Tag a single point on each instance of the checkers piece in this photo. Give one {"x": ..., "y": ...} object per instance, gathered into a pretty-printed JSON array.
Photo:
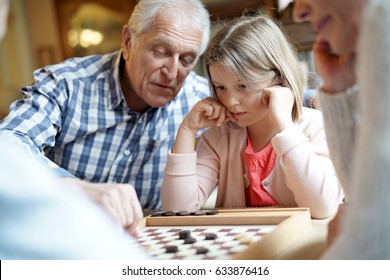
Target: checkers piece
[
  {"x": 201, "y": 250},
  {"x": 184, "y": 234},
  {"x": 189, "y": 240},
  {"x": 169, "y": 213},
  {"x": 157, "y": 214},
  {"x": 212, "y": 212},
  {"x": 198, "y": 213},
  {"x": 210, "y": 236},
  {"x": 171, "y": 249},
  {"x": 183, "y": 213}
]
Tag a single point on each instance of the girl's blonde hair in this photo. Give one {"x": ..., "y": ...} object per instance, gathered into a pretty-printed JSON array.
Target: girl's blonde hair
[{"x": 256, "y": 49}]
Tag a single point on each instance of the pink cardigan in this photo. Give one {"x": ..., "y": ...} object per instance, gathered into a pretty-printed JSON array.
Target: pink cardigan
[{"x": 303, "y": 175}]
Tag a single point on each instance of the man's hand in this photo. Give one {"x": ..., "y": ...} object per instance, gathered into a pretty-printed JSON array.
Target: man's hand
[{"x": 120, "y": 200}]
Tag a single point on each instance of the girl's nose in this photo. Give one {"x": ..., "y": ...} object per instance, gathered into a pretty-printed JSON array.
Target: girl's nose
[{"x": 232, "y": 100}]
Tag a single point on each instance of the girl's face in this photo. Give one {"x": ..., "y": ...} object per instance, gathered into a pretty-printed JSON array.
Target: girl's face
[
  {"x": 245, "y": 104},
  {"x": 336, "y": 21}
]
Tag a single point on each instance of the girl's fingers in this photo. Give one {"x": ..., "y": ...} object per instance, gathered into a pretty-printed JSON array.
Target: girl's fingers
[
  {"x": 221, "y": 117},
  {"x": 216, "y": 111},
  {"x": 207, "y": 109}
]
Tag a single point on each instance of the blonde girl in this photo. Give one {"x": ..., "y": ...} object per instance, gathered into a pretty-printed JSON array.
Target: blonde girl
[{"x": 261, "y": 147}]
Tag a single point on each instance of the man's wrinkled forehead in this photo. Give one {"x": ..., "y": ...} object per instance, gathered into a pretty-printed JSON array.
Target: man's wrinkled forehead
[{"x": 171, "y": 32}]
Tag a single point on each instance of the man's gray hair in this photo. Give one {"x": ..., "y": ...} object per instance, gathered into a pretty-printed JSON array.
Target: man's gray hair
[{"x": 143, "y": 16}]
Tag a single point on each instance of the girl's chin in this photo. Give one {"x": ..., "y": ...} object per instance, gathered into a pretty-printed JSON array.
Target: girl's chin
[{"x": 239, "y": 123}]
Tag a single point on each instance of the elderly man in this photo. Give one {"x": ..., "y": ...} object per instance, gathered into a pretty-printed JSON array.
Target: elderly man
[{"x": 106, "y": 122}]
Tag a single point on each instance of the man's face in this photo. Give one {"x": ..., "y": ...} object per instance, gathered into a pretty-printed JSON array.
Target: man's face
[
  {"x": 336, "y": 21},
  {"x": 159, "y": 61}
]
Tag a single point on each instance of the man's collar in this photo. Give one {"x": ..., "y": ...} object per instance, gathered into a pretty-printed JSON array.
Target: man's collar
[{"x": 115, "y": 91}]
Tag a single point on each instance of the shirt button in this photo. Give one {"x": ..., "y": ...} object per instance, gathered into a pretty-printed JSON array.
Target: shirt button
[{"x": 127, "y": 152}]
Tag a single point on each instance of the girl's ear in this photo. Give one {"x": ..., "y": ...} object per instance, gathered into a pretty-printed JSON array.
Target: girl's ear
[
  {"x": 284, "y": 82},
  {"x": 278, "y": 80}
]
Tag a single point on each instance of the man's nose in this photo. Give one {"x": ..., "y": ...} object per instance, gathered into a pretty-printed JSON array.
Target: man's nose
[
  {"x": 171, "y": 68},
  {"x": 301, "y": 11}
]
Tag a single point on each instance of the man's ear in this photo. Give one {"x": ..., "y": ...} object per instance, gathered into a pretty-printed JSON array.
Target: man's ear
[{"x": 126, "y": 41}]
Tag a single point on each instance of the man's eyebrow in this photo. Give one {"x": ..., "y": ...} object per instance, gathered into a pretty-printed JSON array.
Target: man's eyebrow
[
  {"x": 171, "y": 45},
  {"x": 160, "y": 40}
]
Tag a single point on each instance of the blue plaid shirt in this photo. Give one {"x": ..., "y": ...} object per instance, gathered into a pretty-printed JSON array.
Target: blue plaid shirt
[{"x": 75, "y": 116}]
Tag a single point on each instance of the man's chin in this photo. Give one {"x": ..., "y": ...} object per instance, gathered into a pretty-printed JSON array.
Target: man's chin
[
  {"x": 337, "y": 49},
  {"x": 322, "y": 45},
  {"x": 160, "y": 101}
]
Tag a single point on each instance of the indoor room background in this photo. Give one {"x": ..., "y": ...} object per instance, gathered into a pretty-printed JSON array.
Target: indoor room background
[{"x": 43, "y": 32}]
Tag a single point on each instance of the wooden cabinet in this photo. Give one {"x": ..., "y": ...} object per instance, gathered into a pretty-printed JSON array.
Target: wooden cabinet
[
  {"x": 91, "y": 26},
  {"x": 301, "y": 34},
  {"x": 103, "y": 20}
]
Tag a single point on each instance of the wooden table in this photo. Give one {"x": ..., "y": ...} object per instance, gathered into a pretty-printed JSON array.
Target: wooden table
[{"x": 310, "y": 245}]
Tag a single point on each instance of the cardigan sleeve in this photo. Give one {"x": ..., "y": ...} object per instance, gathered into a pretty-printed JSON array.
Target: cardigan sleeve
[{"x": 309, "y": 172}]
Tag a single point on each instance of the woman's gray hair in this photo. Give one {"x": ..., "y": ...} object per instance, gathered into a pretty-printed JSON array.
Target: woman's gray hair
[
  {"x": 144, "y": 14},
  {"x": 255, "y": 48}
]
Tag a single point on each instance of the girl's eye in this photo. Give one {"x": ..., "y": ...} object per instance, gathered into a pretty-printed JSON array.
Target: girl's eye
[
  {"x": 242, "y": 86},
  {"x": 219, "y": 88}
]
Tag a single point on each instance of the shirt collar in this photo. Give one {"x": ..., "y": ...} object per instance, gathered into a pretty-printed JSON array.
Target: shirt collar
[{"x": 115, "y": 91}]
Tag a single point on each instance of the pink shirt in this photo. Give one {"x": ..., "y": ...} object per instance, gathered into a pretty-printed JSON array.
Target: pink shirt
[
  {"x": 259, "y": 167},
  {"x": 303, "y": 174}
]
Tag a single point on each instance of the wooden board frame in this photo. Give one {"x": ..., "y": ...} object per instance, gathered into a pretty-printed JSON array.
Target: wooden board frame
[{"x": 290, "y": 223}]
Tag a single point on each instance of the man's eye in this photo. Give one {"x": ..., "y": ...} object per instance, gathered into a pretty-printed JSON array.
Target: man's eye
[
  {"x": 160, "y": 52},
  {"x": 187, "y": 61}
]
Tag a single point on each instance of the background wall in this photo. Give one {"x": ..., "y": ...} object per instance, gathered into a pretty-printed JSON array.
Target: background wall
[
  {"x": 35, "y": 38},
  {"x": 16, "y": 62}
]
